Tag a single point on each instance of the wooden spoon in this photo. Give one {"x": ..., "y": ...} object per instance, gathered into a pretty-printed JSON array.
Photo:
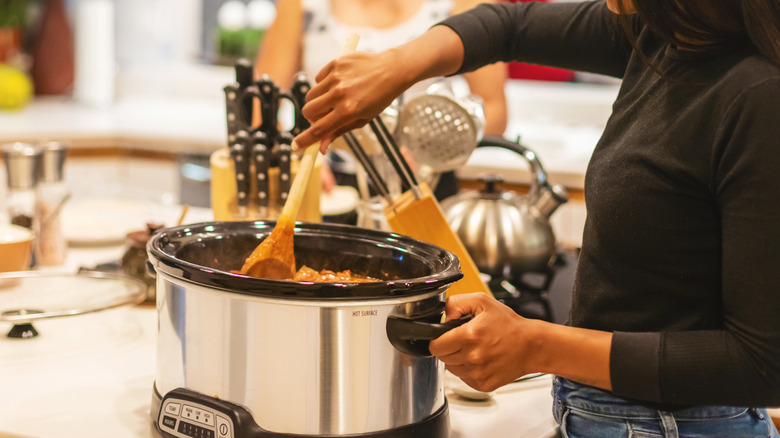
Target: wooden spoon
[{"x": 274, "y": 258}]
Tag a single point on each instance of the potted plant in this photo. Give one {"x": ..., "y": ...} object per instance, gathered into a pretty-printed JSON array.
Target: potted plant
[{"x": 13, "y": 17}]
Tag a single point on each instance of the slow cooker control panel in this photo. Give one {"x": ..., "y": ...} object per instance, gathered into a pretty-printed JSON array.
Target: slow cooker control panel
[{"x": 188, "y": 414}]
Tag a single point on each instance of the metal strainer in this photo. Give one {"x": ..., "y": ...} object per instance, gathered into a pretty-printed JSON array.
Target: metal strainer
[{"x": 439, "y": 130}]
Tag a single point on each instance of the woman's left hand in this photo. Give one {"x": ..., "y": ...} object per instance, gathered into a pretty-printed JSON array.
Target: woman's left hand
[{"x": 489, "y": 351}]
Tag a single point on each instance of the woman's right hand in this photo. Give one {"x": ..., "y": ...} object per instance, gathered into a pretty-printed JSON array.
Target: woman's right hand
[
  {"x": 350, "y": 91},
  {"x": 355, "y": 88}
]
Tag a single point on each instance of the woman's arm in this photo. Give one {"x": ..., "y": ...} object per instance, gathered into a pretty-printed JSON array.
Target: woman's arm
[
  {"x": 488, "y": 82},
  {"x": 497, "y": 346},
  {"x": 280, "y": 52}
]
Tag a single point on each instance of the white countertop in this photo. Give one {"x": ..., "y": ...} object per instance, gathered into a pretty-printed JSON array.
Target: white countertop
[
  {"x": 183, "y": 112},
  {"x": 92, "y": 375}
]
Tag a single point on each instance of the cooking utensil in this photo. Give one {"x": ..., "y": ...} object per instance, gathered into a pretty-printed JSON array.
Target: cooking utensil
[
  {"x": 285, "y": 165},
  {"x": 440, "y": 130},
  {"x": 239, "y": 152},
  {"x": 302, "y": 359},
  {"x": 298, "y": 91},
  {"x": 416, "y": 213},
  {"x": 238, "y": 110},
  {"x": 274, "y": 257},
  {"x": 506, "y": 233},
  {"x": 260, "y": 158}
]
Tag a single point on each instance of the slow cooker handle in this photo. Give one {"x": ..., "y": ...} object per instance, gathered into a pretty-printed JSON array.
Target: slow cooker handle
[{"x": 413, "y": 335}]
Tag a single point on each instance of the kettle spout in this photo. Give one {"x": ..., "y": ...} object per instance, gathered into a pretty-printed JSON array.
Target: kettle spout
[{"x": 550, "y": 198}]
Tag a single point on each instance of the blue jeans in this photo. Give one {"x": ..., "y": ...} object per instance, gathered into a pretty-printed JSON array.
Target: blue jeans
[{"x": 584, "y": 411}]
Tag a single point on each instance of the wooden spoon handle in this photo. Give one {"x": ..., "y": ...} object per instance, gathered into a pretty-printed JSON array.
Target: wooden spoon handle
[{"x": 295, "y": 197}]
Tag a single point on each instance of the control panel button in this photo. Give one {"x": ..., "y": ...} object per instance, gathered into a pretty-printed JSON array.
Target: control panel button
[
  {"x": 169, "y": 422},
  {"x": 194, "y": 431},
  {"x": 172, "y": 408},
  {"x": 224, "y": 427}
]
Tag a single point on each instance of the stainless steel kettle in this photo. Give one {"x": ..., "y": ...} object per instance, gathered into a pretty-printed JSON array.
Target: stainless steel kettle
[{"x": 507, "y": 234}]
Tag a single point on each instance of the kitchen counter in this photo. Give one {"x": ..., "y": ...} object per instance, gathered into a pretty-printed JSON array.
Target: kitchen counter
[
  {"x": 91, "y": 375},
  {"x": 183, "y": 112}
]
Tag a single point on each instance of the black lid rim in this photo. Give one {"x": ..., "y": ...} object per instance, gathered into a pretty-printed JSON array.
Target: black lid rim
[{"x": 230, "y": 282}]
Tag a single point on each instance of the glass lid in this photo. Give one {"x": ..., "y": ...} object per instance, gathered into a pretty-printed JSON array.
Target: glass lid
[{"x": 29, "y": 296}]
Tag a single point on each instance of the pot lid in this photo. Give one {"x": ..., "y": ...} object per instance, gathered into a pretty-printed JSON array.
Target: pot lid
[{"x": 29, "y": 296}]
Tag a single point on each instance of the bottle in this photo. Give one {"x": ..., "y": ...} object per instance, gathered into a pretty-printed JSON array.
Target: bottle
[
  {"x": 51, "y": 193},
  {"x": 21, "y": 168},
  {"x": 53, "y": 66}
]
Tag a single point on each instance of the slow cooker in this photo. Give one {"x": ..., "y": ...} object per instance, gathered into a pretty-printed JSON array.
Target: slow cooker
[{"x": 240, "y": 356}]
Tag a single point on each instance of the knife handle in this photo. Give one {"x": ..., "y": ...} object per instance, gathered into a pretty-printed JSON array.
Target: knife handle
[
  {"x": 268, "y": 94},
  {"x": 233, "y": 111},
  {"x": 285, "y": 166},
  {"x": 239, "y": 151},
  {"x": 245, "y": 74},
  {"x": 299, "y": 89},
  {"x": 260, "y": 157}
]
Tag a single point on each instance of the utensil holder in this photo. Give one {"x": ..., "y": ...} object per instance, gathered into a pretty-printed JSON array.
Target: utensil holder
[{"x": 224, "y": 194}]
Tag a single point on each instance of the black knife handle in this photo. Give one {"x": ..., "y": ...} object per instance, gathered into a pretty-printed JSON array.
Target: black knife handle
[
  {"x": 233, "y": 112},
  {"x": 268, "y": 93},
  {"x": 260, "y": 158},
  {"x": 239, "y": 151},
  {"x": 299, "y": 89},
  {"x": 245, "y": 74},
  {"x": 285, "y": 165}
]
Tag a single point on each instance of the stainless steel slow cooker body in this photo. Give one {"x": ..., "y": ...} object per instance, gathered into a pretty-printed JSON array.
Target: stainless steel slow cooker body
[{"x": 309, "y": 359}]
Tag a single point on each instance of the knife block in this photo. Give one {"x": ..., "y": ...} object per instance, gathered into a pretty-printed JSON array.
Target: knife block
[{"x": 224, "y": 194}]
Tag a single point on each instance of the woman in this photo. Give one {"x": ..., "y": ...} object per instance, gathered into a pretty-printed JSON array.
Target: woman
[{"x": 675, "y": 322}]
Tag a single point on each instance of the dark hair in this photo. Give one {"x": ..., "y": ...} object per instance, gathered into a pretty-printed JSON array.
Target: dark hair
[{"x": 705, "y": 24}]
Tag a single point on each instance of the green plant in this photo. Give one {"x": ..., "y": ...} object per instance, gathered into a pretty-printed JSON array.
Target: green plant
[{"x": 13, "y": 13}]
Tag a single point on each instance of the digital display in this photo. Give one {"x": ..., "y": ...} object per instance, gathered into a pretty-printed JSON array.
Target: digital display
[{"x": 195, "y": 431}]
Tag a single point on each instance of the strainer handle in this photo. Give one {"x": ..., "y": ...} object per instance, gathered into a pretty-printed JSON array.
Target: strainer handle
[{"x": 538, "y": 175}]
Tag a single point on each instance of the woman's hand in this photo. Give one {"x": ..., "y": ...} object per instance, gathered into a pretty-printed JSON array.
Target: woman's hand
[
  {"x": 351, "y": 91},
  {"x": 355, "y": 88},
  {"x": 498, "y": 346},
  {"x": 489, "y": 351}
]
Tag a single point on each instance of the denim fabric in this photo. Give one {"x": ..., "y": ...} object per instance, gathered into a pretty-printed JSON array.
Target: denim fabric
[{"x": 583, "y": 411}]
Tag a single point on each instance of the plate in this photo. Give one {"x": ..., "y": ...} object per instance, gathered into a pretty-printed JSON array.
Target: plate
[
  {"x": 106, "y": 221},
  {"x": 103, "y": 221},
  {"x": 340, "y": 200}
]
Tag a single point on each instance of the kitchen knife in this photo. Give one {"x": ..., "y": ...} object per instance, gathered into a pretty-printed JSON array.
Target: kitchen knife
[
  {"x": 285, "y": 165},
  {"x": 268, "y": 94},
  {"x": 245, "y": 74},
  {"x": 260, "y": 158},
  {"x": 300, "y": 87},
  {"x": 239, "y": 152}
]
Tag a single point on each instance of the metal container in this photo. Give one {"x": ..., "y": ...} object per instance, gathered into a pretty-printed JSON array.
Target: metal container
[
  {"x": 306, "y": 359},
  {"x": 507, "y": 234}
]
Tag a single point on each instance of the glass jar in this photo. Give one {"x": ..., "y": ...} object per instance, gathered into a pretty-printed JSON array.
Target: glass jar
[
  {"x": 51, "y": 193},
  {"x": 21, "y": 167}
]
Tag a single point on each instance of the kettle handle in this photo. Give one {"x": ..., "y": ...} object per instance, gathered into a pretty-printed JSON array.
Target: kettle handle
[{"x": 538, "y": 175}]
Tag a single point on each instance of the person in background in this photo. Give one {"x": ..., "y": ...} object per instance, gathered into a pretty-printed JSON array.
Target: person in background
[
  {"x": 307, "y": 34},
  {"x": 674, "y": 328}
]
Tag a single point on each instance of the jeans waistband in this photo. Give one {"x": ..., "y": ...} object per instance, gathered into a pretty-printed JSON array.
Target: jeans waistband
[{"x": 598, "y": 401}]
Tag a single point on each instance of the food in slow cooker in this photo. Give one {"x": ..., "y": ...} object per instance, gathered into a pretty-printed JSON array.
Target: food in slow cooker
[{"x": 308, "y": 274}]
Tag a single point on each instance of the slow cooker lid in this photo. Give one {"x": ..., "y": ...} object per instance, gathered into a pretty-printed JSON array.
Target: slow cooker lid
[{"x": 206, "y": 253}]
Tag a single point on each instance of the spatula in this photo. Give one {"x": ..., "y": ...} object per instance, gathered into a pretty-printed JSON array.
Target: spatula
[{"x": 274, "y": 258}]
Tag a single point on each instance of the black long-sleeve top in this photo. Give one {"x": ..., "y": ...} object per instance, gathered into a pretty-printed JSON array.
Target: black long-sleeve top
[{"x": 681, "y": 247}]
